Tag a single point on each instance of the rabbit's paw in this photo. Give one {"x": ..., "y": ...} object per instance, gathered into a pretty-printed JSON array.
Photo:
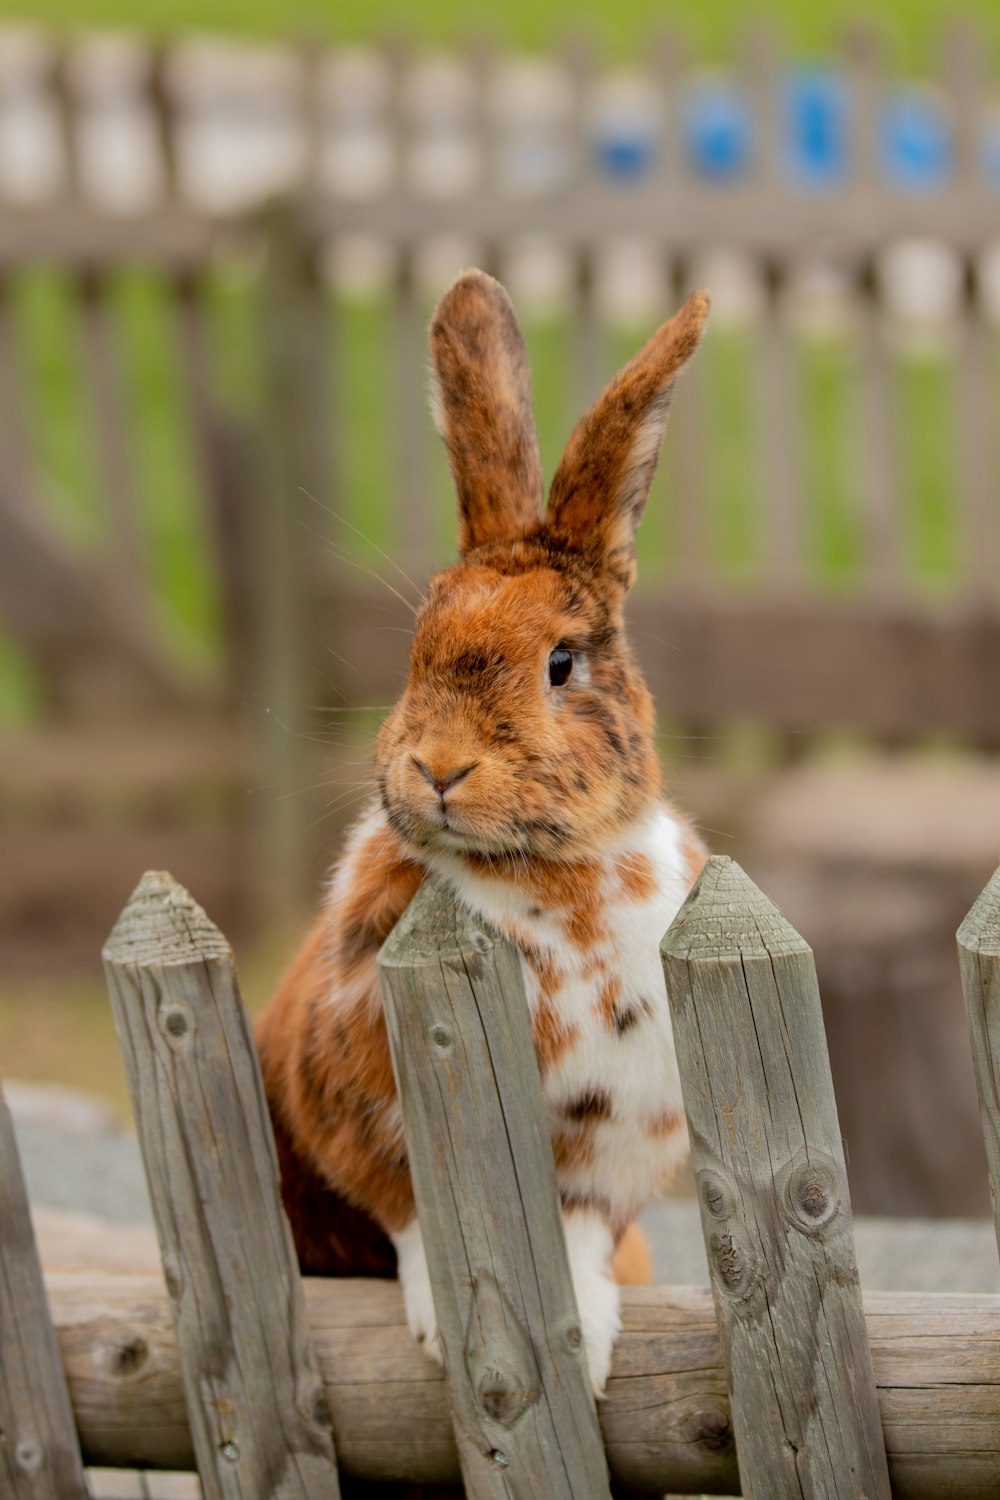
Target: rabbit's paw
[
  {"x": 589, "y": 1243},
  {"x": 415, "y": 1280}
]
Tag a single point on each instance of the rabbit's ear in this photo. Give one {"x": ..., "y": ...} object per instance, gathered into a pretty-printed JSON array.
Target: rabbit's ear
[
  {"x": 481, "y": 400},
  {"x": 599, "y": 490}
]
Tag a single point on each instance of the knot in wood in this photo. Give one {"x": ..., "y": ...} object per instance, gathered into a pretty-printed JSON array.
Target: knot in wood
[
  {"x": 813, "y": 1195},
  {"x": 731, "y": 1261},
  {"x": 504, "y": 1396},
  {"x": 28, "y": 1456},
  {"x": 573, "y": 1338},
  {"x": 715, "y": 1195},
  {"x": 712, "y": 1429},
  {"x": 441, "y": 1036},
  {"x": 128, "y": 1356},
  {"x": 175, "y": 1021}
]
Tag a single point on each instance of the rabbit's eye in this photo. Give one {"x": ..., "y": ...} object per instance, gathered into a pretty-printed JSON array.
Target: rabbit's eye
[{"x": 560, "y": 666}]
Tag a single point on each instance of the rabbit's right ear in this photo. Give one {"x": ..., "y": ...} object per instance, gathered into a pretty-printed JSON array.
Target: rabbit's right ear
[{"x": 481, "y": 400}]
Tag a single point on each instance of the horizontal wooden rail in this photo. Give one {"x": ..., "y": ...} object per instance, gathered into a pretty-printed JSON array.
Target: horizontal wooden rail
[
  {"x": 801, "y": 663},
  {"x": 665, "y": 1420}
]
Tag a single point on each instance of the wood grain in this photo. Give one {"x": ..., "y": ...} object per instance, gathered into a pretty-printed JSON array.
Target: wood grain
[
  {"x": 772, "y": 1187},
  {"x": 485, "y": 1185},
  {"x": 259, "y": 1426},
  {"x": 39, "y": 1449},
  {"x": 665, "y": 1420},
  {"x": 979, "y": 961}
]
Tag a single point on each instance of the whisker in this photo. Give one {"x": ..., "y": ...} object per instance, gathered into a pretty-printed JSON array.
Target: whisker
[
  {"x": 358, "y": 532},
  {"x": 364, "y": 568},
  {"x": 355, "y": 708},
  {"x": 354, "y": 562},
  {"x": 332, "y": 811}
]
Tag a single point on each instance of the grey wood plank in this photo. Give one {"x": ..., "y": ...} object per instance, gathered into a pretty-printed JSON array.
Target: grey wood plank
[
  {"x": 769, "y": 1165},
  {"x": 665, "y": 1420},
  {"x": 259, "y": 1424},
  {"x": 39, "y": 1449},
  {"x": 486, "y": 1190},
  {"x": 284, "y": 541},
  {"x": 979, "y": 961},
  {"x": 782, "y": 494},
  {"x": 123, "y": 558},
  {"x": 18, "y": 471}
]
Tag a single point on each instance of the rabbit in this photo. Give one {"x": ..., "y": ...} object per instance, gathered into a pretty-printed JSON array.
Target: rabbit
[{"x": 519, "y": 767}]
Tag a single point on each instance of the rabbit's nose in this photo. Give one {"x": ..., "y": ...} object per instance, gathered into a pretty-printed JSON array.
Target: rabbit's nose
[{"x": 443, "y": 781}]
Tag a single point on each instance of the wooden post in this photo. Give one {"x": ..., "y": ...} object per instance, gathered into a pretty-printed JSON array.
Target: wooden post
[
  {"x": 486, "y": 1191},
  {"x": 255, "y": 1403},
  {"x": 39, "y": 1449},
  {"x": 289, "y": 542},
  {"x": 979, "y": 961},
  {"x": 772, "y": 1190}
]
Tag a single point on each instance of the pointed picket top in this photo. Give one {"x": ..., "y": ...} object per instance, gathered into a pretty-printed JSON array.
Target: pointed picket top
[
  {"x": 163, "y": 924},
  {"x": 727, "y": 916},
  {"x": 435, "y": 927},
  {"x": 980, "y": 932}
]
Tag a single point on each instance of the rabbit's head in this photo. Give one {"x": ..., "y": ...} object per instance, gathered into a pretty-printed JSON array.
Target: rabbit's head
[{"x": 525, "y": 728}]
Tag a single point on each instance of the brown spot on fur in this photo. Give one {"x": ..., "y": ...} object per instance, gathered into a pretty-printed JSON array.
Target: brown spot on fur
[
  {"x": 585, "y": 927},
  {"x": 573, "y": 1148},
  {"x": 550, "y": 977},
  {"x": 627, "y": 1017},
  {"x": 608, "y": 999},
  {"x": 670, "y": 1121},
  {"x": 637, "y": 876},
  {"x": 595, "y": 1104},
  {"x": 694, "y": 852},
  {"x": 552, "y": 1037}
]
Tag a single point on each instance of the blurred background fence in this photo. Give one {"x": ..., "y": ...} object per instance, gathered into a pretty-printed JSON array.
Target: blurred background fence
[{"x": 220, "y": 493}]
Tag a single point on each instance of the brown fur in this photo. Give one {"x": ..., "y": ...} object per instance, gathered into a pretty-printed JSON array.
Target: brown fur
[
  {"x": 328, "y": 1072},
  {"x": 636, "y": 875},
  {"x": 695, "y": 854},
  {"x": 482, "y": 404},
  {"x": 546, "y": 783},
  {"x": 632, "y": 1261},
  {"x": 614, "y": 448}
]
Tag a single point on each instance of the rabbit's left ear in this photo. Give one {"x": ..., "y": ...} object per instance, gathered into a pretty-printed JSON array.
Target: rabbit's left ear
[
  {"x": 481, "y": 400},
  {"x": 599, "y": 490}
]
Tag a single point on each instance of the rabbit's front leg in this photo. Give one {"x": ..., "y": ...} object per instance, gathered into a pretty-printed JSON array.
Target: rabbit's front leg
[
  {"x": 415, "y": 1280},
  {"x": 590, "y": 1245}
]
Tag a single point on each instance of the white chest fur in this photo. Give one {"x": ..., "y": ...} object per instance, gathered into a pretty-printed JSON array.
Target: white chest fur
[{"x": 613, "y": 1091}]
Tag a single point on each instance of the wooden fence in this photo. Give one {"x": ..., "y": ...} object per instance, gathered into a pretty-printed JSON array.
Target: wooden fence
[
  {"x": 397, "y": 168},
  {"x": 232, "y": 1365}
]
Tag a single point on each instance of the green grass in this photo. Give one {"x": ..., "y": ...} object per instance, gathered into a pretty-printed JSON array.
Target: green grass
[
  {"x": 714, "y": 27},
  {"x": 370, "y": 467}
]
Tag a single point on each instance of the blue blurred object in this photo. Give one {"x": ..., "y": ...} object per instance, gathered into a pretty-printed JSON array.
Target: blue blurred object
[
  {"x": 718, "y": 131},
  {"x": 625, "y": 152},
  {"x": 915, "y": 146},
  {"x": 814, "y": 128}
]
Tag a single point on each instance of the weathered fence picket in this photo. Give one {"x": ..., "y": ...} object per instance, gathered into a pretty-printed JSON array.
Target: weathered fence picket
[
  {"x": 772, "y": 1190},
  {"x": 979, "y": 960},
  {"x": 39, "y": 1448},
  {"x": 228, "y": 1379},
  {"x": 465, "y": 1063},
  {"x": 259, "y": 1424}
]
